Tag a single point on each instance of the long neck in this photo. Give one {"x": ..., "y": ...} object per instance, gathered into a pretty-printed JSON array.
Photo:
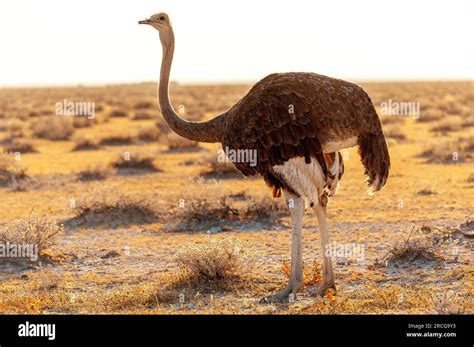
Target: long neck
[{"x": 209, "y": 131}]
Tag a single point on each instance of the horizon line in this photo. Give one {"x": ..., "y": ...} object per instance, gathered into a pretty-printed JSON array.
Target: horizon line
[{"x": 220, "y": 82}]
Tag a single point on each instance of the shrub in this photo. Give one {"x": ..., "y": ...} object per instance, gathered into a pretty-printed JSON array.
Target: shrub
[
  {"x": 176, "y": 142},
  {"x": 113, "y": 210},
  {"x": 53, "y": 128},
  {"x": 117, "y": 140},
  {"x": 10, "y": 173},
  {"x": 450, "y": 151},
  {"x": 85, "y": 144},
  {"x": 217, "y": 259},
  {"x": 117, "y": 113},
  {"x": 135, "y": 161},
  {"x": 149, "y": 134},
  {"x": 92, "y": 173},
  {"x": 33, "y": 231},
  {"x": 20, "y": 147}
]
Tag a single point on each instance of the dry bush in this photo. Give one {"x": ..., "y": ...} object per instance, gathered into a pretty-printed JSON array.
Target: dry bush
[
  {"x": 149, "y": 134},
  {"x": 449, "y": 302},
  {"x": 217, "y": 259},
  {"x": 418, "y": 249},
  {"x": 468, "y": 122},
  {"x": 85, "y": 144},
  {"x": 386, "y": 120},
  {"x": 202, "y": 214},
  {"x": 139, "y": 162},
  {"x": 116, "y": 140},
  {"x": 394, "y": 132},
  {"x": 93, "y": 173},
  {"x": 141, "y": 105},
  {"x": 426, "y": 191},
  {"x": 54, "y": 128},
  {"x": 13, "y": 126},
  {"x": 37, "y": 231},
  {"x": 84, "y": 122},
  {"x": 451, "y": 123},
  {"x": 216, "y": 167},
  {"x": 20, "y": 146},
  {"x": 202, "y": 211},
  {"x": 430, "y": 115},
  {"x": 45, "y": 279},
  {"x": 110, "y": 209},
  {"x": 450, "y": 151},
  {"x": 142, "y": 115},
  {"x": 264, "y": 208},
  {"x": 117, "y": 114},
  {"x": 176, "y": 142},
  {"x": 470, "y": 179},
  {"x": 10, "y": 172}
]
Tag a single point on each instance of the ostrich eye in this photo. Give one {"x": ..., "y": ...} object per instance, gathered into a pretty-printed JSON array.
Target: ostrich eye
[{"x": 162, "y": 18}]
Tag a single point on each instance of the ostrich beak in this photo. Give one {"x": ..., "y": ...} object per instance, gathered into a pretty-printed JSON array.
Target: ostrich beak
[{"x": 145, "y": 21}]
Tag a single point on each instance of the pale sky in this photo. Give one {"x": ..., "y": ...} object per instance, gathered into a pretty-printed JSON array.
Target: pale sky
[{"x": 90, "y": 41}]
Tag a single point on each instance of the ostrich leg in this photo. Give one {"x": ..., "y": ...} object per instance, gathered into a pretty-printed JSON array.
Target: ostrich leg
[
  {"x": 328, "y": 274},
  {"x": 296, "y": 206}
]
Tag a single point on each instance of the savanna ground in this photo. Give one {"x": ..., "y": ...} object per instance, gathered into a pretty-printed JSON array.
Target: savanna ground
[{"x": 133, "y": 219}]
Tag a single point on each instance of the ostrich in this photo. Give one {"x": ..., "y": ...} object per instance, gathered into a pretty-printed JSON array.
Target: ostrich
[{"x": 296, "y": 123}]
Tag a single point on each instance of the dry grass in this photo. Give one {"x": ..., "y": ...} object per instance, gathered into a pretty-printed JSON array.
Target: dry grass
[
  {"x": 34, "y": 230},
  {"x": 20, "y": 146},
  {"x": 470, "y": 179},
  {"x": 92, "y": 273},
  {"x": 10, "y": 172},
  {"x": 202, "y": 214},
  {"x": 135, "y": 162},
  {"x": 312, "y": 274},
  {"x": 149, "y": 134},
  {"x": 450, "y": 151},
  {"x": 118, "y": 114},
  {"x": 84, "y": 122},
  {"x": 452, "y": 123},
  {"x": 410, "y": 250},
  {"x": 54, "y": 128},
  {"x": 85, "y": 144},
  {"x": 117, "y": 140},
  {"x": 142, "y": 115},
  {"x": 143, "y": 105},
  {"x": 430, "y": 115},
  {"x": 93, "y": 173},
  {"x": 394, "y": 131},
  {"x": 426, "y": 191},
  {"x": 176, "y": 142},
  {"x": 110, "y": 209},
  {"x": 217, "y": 259},
  {"x": 216, "y": 167}
]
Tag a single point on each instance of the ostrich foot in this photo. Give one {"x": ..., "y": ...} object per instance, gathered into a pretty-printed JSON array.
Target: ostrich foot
[
  {"x": 286, "y": 295},
  {"x": 323, "y": 288}
]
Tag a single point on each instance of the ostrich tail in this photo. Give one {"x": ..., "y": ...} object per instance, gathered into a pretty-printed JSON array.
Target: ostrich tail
[{"x": 375, "y": 158}]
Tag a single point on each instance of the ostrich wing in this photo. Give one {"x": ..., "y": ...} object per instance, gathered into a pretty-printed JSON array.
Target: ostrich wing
[{"x": 298, "y": 115}]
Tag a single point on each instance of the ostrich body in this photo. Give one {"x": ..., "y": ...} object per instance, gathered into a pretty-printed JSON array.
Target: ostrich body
[{"x": 296, "y": 123}]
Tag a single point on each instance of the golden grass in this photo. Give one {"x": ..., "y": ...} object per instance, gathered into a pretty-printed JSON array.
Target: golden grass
[
  {"x": 117, "y": 254},
  {"x": 216, "y": 259}
]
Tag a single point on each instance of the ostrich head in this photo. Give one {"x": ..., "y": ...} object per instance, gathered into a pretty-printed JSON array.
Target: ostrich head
[{"x": 160, "y": 22}]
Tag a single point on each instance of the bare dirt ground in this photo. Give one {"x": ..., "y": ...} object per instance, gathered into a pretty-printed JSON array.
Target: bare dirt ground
[{"x": 124, "y": 223}]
